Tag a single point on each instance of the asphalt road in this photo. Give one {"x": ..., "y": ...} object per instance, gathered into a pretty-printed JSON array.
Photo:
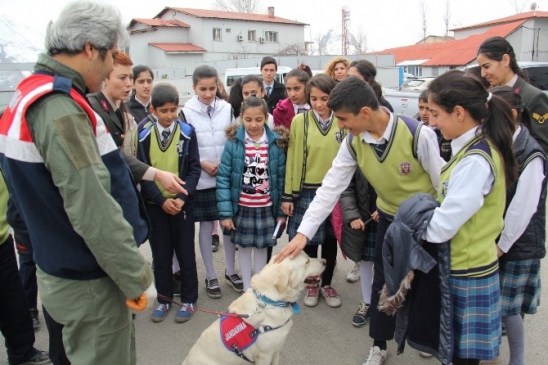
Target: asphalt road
[{"x": 320, "y": 335}]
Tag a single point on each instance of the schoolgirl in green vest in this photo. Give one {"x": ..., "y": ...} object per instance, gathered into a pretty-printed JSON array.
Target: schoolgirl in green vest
[
  {"x": 521, "y": 244},
  {"x": 314, "y": 142},
  {"x": 398, "y": 156},
  {"x": 472, "y": 193}
]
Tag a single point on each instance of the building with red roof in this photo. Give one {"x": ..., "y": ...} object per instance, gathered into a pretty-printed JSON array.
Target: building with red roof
[
  {"x": 527, "y": 32},
  {"x": 181, "y": 38}
]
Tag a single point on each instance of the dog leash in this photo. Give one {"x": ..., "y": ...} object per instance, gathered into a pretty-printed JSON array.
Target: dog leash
[{"x": 220, "y": 314}]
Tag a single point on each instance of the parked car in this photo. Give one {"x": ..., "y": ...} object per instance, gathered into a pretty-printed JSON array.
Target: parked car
[
  {"x": 537, "y": 73},
  {"x": 418, "y": 83},
  {"x": 404, "y": 102}
]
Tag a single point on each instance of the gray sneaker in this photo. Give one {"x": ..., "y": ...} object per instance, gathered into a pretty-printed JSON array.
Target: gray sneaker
[
  {"x": 354, "y": 274},
  {"x": 235, "y": 281},
  {"x": 41, "y": 357},
  {"x": 212, "y": 289}
]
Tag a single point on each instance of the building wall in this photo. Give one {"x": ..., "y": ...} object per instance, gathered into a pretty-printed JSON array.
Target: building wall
[{"x": 139, "y": 42}]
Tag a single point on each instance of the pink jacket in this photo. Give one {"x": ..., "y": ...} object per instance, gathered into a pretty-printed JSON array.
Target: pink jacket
[{"x": 284, "y": 113}]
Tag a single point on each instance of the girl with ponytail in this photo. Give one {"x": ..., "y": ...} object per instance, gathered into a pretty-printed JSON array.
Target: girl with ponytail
[{"x": 472, "y": 192}]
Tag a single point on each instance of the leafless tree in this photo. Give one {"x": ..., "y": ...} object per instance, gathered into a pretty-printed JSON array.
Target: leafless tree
[
  {"x": 519, "y": 6},
  {"x": 294, "y": 49},
  {"x": 447, "y": 16},
  {"x": 322, "y": 40},
  {"x": 359, "y": 41},
  {"x": 423, "y": 9},
  {"x": 241, "y": 6}
]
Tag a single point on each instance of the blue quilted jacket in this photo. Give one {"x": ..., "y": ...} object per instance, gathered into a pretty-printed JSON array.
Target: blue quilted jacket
[{"x": 231, "y": 169}]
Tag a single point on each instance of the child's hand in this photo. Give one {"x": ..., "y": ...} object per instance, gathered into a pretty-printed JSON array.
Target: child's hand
[
  {"x": 179, "y": 203},
  {"x": 170, "y": 207},
  {"x": 287, "y": 208},
  {"x": 499, "y": 252},
  {"x": 210, "y": 167},
  {"x": 375, "y": 216},
  {"x": 228, "y": 224},
  {"x": 357, "y": 224}
]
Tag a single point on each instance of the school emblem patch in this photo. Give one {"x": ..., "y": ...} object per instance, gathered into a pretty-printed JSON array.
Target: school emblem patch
[
  {"x": 406, "y": 168},
  {"x": 444, "y": 188},
  {"x": 540, "y": 118},
  {"x": 338, "y": 137}
]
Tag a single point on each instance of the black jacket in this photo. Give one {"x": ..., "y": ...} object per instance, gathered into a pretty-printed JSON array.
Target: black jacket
[
  {"x": 189, "y": 163},
  {"x": 417, "y": 275},
  {"x": 531, "y": 243},
  {"x": 357, "y": 202},
  {"x": 278, "y": 93},
  {"x": 137, "y": 109},
  {"x": 536, "y": 103}
]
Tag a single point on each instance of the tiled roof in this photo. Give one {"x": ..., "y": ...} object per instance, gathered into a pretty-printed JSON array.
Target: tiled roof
[
  {"x": 214, "y": 14},
  {"x": 451, "y": 53},
  {"x": 508, "y": 19},
  {"x": 178, "y": 47},
  {"x": 161, "y": 23}
]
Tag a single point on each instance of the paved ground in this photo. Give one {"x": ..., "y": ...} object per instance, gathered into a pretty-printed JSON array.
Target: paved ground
[{"x": 321, "y": 335}]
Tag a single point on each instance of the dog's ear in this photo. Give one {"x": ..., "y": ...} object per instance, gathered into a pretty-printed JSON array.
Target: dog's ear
[{"x": 282, "y": 280}]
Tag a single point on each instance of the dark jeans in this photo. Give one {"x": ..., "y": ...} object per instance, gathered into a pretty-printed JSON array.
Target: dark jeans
[
  {"x": 381, "y": 325},
  {"x": 27, "y": 272},
  {"x": 329, "y": 253},
  {"x": 15, "y": 321},
  {"x": 56, "y": 348},
  {"x": 173, "y": 233}
]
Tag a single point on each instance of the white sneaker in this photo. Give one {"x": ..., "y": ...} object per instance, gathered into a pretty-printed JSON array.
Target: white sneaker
[
  {"x": 312, "y": 296},
  {"x": 376, "y": 356},
  {"x": 425, "y": 354},
  {"x": 354, "y": 274}
]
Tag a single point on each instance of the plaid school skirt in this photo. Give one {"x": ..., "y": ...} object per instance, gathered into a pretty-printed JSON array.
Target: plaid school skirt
[
  {"x": 370, "y": 239},
  {"x": 254, "y": 227},
  {"x": 520, "y": 286},
  {"x": 476, "y": 316},
  {"x": 300, "y": 207},
  {"x": 205, "y": 205}
]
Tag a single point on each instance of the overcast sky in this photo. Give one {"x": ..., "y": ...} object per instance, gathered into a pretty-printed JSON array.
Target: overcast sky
[{"x": 386, "y": 23}]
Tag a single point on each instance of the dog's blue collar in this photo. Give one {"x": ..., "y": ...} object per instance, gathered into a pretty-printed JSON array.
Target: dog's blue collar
[{"x": 294, "y": 305}]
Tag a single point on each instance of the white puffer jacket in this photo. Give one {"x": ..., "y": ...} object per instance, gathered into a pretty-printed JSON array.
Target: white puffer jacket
[{"x": 210, "y": 133}]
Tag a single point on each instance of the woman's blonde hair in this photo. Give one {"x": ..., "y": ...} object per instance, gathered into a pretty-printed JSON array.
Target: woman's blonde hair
[{"x": 330, "y": 68}]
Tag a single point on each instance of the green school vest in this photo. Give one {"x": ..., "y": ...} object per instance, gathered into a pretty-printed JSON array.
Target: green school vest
[
  {"x": 397, "y": 174},
  {"x": 473, "y": 249},
  {"x": 166, "y": 159}
]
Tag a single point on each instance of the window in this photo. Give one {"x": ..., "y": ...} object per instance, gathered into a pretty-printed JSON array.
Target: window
[
  {"x": 435, "y": 71},
  {"x": 217, "y": 32},
  {"x": 228, "y": 30},
  {"x": 416, "y": 70},
  {"x": 271, "y": 37},
  {"x": 251, "y": 36}
]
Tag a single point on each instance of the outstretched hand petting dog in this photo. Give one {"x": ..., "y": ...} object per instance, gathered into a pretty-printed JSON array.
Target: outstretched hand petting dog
[{"x": 296, "y": 245}]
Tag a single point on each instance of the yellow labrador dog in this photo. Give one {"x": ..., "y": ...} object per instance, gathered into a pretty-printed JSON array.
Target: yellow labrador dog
[{"x": 268, "y": 307}]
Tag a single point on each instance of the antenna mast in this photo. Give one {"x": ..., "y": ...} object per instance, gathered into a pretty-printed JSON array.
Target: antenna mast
[{"x": 345, "y": 32}]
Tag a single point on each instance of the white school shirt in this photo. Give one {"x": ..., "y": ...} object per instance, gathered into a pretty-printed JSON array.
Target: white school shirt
[
  {"x": 339, "y": 175},
  {"x": 524, "y": 203},
  {"x": 471, "y": 179}
]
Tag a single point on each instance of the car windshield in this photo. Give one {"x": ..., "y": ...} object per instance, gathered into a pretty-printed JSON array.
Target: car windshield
[
  {"x": 538, "y": 76},
  {"x": 415, "y": 83}
]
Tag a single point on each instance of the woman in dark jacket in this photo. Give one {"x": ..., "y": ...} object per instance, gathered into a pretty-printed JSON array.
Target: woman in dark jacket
[
  {"x": 358, "y": 236},
  {"x": 139, "y": 102}
]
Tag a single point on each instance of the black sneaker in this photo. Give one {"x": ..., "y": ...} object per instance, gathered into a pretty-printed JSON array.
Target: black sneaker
[
  {"x": 214, "y": 242},
  {"x": 35, "y": 319},
  {"x": 235, "y": 281},
  {"x": 212, "y": 288},
  {"x": 361, "y": 316},
  {"x": 41, "y": 357}
]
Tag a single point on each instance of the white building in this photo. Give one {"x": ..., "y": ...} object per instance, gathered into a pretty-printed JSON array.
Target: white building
[{"x": 179, "y": 38}]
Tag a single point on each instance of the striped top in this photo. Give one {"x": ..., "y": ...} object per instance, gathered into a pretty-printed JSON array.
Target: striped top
[{"x": 255, "y": 179}]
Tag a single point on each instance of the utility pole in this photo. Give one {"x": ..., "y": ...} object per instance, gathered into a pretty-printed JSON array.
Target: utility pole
[{"x": 345, "y": 29}]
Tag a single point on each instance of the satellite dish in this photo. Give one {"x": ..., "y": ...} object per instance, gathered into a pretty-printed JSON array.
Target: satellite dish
[{"x": 534, "y": 6}]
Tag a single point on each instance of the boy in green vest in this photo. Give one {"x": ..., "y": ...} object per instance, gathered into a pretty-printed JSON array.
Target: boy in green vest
[
  {"x": 398, "y": 156},
  {"x": 169, "y": 144}
]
